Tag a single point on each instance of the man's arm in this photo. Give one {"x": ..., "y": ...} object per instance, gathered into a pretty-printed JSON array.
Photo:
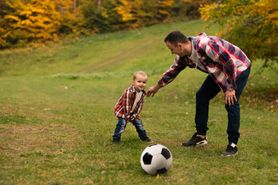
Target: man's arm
[
  {"x": 169, "y": 75},
  {"x": 216, "y": 52}
]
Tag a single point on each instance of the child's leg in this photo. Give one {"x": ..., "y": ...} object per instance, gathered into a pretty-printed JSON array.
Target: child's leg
[
  {"x": 120, "y": 127},
  {"x": 140, "y": 130}
]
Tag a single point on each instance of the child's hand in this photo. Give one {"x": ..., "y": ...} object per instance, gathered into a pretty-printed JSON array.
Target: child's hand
[
  {"x": 152, "y": 90},
  {"x": 132, "y": 117},
  {"x": 127, "y": 117}
]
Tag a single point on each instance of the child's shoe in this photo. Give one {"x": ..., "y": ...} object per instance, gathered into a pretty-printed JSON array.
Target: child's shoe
[
  {"x": 147, "y": 139},
  {"x": 116, "y": 140}
]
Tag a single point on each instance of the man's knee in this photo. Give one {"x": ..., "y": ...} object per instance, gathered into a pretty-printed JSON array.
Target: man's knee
[
  {"x": 234, "y": 107},
  {"x": 201, "y": 97}
]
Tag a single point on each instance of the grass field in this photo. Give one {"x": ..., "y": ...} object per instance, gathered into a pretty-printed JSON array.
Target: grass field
[{"x": 56, "y": 115}]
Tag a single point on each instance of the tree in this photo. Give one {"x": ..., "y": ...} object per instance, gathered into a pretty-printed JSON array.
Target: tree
[
  {"x": 32, "y": 21},
  {"x": 72, "y": 19},
  {"x": 251, "y": 24}
]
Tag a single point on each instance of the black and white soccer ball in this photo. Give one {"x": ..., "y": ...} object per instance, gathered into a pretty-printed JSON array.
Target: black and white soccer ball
[{"x": 156, "y": 159}]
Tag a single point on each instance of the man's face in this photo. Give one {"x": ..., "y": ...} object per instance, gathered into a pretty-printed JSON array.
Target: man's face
[
  {"x": 140, "y": 82},
  {"x": 176, "y": 48}
]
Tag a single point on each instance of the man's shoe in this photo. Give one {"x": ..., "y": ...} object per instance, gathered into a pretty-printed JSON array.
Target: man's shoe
[
  {"x": 231, "y": 150},
  {"x": 196, "y": 140}
]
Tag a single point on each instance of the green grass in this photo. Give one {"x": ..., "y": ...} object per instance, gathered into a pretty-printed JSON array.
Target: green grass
[{"x": 56, "y": 115}]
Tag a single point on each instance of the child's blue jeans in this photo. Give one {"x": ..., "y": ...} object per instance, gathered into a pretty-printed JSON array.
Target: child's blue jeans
[
  {"x": 121, "y": 125},
  {"x": 209, "y": 90}
]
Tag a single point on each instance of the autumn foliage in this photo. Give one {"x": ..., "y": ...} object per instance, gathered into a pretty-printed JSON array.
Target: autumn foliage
[
  {"x": 251, "y": 24},
  {"x": 35, "y": 21}
]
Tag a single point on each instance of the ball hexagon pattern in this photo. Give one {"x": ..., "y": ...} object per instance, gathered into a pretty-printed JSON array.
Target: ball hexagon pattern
[{"x": 156, "y": 159}]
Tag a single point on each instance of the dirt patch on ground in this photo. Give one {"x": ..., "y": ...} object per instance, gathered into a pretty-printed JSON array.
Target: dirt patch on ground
[
  {"x": 121, "y": 57},
  {"x": 20, "y": 140}
]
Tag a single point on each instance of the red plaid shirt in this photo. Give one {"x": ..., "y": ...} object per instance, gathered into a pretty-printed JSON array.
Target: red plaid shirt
[
  {"x": 215, "y": 56},
  {"x": 124, "y": 105}
]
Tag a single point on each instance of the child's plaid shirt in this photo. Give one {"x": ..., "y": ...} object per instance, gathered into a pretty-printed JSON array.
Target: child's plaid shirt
[
  {"x": 223, "y": 61},
  {"x": 124, "y": 105}
]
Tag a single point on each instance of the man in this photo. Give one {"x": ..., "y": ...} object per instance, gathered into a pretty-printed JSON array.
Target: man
[{"x": 228, "y": 69}]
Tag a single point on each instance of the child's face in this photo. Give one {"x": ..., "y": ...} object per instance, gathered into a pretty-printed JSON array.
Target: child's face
[{"x": 140, "y": 82}]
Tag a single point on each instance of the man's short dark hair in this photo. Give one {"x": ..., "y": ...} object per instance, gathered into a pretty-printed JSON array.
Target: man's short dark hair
[{"x": 175, "y": 37}]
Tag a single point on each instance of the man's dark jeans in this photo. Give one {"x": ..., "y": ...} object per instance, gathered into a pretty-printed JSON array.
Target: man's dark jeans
[{"x": 209, "y": 90}]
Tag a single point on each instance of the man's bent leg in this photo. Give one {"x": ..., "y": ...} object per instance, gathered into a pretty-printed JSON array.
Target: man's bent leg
[
  {"x": 207, "y": 91},
  {"x": 234, "y": 110}
]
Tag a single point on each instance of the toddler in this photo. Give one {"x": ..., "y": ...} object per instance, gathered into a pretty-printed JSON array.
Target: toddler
[{"x": 129, "y": 107}]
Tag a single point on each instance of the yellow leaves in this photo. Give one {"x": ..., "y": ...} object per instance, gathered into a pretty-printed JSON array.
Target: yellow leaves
[
  {"x": 239, "y": 10},
  {"x": 124, "y": 10},
  {"x": 11, "y": 17},
  {"x": 273, "y": 18},
  {"x": 251, "y": 24},
  {"x": 268, "y": 10},
  {"x": 263, "y": 8},
  {"x": 104, "y": 13},
  {"x": 26, "y": 13},
  {"x": 132, "y": 11},
  {"x": 207, "y": 11},
  {"x": 32, "y": 20},
  {"x": 26, "y": 22},
  {"x": 2, "y": 30},
  {"x": 186, "y": 1},
  {"x": 164, "y": 12},
  {"x": 127, "y": 17},
  {"x": 37, "y": 21},
  {"x": 15, "y": 4},
  {"x": 39, "y": 10},
  {"x": 124, "y": 2},
  {"x": 166, "y": 3}
]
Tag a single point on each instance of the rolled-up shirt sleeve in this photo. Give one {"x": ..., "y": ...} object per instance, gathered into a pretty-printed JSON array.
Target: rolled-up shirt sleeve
[{"x": 168, "y": 76}]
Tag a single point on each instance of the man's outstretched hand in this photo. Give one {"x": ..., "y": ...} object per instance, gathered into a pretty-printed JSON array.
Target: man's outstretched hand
[{"x": 152, "y": 90}]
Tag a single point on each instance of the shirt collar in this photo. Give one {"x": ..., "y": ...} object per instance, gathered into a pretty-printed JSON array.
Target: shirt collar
[
  {"x": 133, "y": 89},
  {"x": 193, "y": 55}
]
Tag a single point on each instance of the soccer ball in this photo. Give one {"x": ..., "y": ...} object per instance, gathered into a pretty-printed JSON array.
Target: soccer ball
[{"x": 156, "y": 159}]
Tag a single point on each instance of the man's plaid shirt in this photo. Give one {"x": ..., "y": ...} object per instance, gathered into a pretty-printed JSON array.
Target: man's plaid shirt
[
  {"x": 223, "y": 61},
  {"x": 124, "y": 105}
]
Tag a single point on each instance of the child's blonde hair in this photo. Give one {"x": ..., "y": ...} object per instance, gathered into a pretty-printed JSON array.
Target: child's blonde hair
[{"x": 139, "y": 72}]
